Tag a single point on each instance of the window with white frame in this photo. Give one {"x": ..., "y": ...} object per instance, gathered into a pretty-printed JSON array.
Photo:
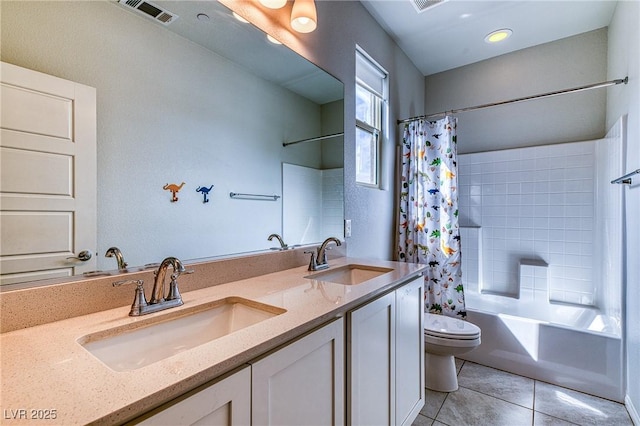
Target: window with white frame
[{"x": 371, "y": 100}]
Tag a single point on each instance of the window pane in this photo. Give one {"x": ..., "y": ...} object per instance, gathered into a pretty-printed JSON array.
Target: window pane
[
  {"x": 368, "y": 107},
  {"x": 366, "y": 154},
  {"x": 364, "y": 105}
]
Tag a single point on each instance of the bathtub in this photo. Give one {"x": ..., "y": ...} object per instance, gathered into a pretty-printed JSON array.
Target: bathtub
[{"x": 570, "y": 346}]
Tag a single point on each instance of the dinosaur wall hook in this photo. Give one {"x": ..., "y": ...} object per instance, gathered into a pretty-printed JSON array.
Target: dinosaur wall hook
[
  {"x": 174, "y": 190},
  {"x": 205, "y": 192}
]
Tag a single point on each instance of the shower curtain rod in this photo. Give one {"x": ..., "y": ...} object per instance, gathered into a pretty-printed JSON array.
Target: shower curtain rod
[
  {"x": 526, "y": 98},
  {"x": 319, "y": 138}
]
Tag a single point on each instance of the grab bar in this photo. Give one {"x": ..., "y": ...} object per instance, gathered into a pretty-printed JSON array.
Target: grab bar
[
  {"x": 626, "y": 179},
  {"x": 253, "y": 196}
]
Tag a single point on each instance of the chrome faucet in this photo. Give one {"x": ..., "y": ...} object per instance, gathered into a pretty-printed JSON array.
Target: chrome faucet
[
  {"x": 318, "y": 259},
  {"x": 160, "y": 298},
  {"x": 115, "y": 252},
  {"x": 282, "y": 243},
  {"x": 159, "y": 292}
]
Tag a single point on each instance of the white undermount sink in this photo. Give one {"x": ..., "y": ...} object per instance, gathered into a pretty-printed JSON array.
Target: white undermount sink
[
  {"x": 351, "y": 274},
  {"x": 141, "y": 343}
]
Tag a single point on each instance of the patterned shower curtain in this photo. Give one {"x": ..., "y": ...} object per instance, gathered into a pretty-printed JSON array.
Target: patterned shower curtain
[{"x": 428, "y": 231}]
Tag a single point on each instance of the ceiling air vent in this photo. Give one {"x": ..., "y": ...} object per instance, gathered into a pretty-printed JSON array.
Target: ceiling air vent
[
  {"x": 151, "y": 10},
  {"x": 422, "y": 5}
]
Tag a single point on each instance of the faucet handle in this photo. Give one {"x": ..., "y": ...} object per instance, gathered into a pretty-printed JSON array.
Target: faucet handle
[
  {"x": 139, "y": 283},
  {"x": 312, "y": 262},
  {"x": 174, "y": 293},
  {"x": 139, "y": 299}
]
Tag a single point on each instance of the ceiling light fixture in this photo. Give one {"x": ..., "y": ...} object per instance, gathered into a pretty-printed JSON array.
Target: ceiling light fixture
[
  {"x": 498, "y": 35},
  {"x": 304, "y": 18},
  {"x": 273, "y": 4}
]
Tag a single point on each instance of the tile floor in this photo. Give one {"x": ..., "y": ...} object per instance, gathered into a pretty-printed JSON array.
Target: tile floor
[{"x": 490, "y": 397}]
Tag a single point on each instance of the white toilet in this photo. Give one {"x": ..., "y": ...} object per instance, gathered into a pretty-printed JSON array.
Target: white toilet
[{"x": 445, "y": 338}]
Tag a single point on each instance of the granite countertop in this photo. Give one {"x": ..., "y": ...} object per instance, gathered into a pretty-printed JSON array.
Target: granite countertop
[{"x": 45, "y": 368}]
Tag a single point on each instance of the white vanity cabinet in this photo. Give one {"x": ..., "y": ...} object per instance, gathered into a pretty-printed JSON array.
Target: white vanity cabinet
[
  {"x": 302, "y": 383},
  {"x": 386, "y": 358},
  {"x": 379, "y": 361},
  {"x": 225, "y": 402},
  {"x": 410, "y": 393}
]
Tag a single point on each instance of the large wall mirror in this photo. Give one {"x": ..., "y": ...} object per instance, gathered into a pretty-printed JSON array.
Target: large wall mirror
[{"x": 206, "y": 100}]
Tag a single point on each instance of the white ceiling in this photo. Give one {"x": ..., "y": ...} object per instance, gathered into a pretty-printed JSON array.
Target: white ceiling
[{"x": 451, "y": 34}]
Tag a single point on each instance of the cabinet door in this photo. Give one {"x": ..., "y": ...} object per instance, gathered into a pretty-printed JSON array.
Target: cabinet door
[
  {"x": 225, "y": 402},
  {"x": 302, "y": 383},
  {"x": 371, "y": 383},
  {"x": 409, "y": 351}
]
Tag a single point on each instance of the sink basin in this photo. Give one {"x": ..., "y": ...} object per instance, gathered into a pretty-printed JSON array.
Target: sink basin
[
  {"x": 350, "y": 274},
  {"x": 150, "y": 340}
]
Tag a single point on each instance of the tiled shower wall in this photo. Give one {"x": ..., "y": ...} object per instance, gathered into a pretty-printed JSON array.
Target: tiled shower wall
[
  {"x": 333, "y": 202},
  {"x": 312, "y": 204},
  {"x": 533, "y": 204}
]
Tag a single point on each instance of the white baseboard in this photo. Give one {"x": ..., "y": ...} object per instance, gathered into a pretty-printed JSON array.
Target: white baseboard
[{"x": 635, "y": 418}]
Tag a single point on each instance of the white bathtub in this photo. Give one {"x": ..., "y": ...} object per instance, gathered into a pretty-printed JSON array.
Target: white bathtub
[{"x": 570, "y": 346}]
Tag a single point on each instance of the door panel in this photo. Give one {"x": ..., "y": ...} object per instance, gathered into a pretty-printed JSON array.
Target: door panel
[
  {"x": 224, "y": 403},
  {"x": 372, "y": 363},
  {"x": 40, "y": 113},
  {"x": 302, "y": 383},
  {"x": 36, "y": 173},
  {"x": 36, "y": 232},
  {"x": 410, "y": 394}
]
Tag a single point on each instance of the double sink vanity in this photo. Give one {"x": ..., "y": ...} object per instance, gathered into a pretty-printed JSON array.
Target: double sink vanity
[{"x": 341, "y": 345}]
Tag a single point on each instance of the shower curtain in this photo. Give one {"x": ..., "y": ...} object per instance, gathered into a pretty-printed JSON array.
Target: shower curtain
[{"x": 428, "y": 231}]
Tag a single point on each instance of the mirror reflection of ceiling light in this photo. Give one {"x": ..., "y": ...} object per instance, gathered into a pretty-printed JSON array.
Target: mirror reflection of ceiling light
[
  {"x": 304, "y": 18},
  {"x": 273, "y": 4},
  {"x": 239, "y": 18},
  {"x": 273, "y": 40},
  {"x": 498, "y": 35}
]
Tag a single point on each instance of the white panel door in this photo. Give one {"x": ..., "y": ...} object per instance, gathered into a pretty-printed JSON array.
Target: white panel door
[
  {"x": 48, "y": 176},
  {"x": 302, "y": 383},
  {"x": 409, "y": 351},
  {"x": 226, "y": 402},
  {"x": 371, "y": 383}
]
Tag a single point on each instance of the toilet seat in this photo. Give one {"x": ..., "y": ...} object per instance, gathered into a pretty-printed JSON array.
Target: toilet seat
[
  {"x": 446, "y": 338},
  {"x": 443, "y": 327}
]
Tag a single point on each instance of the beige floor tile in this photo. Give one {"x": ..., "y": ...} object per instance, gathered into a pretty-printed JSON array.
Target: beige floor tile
[
  {"x": 578, "y": 407},
  {"x": 468, "y": 407},
  {"x": 492, "y": 382}
]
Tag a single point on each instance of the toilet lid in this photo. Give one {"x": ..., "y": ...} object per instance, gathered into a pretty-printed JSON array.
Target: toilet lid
[{"x": 452, "y": 328}]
